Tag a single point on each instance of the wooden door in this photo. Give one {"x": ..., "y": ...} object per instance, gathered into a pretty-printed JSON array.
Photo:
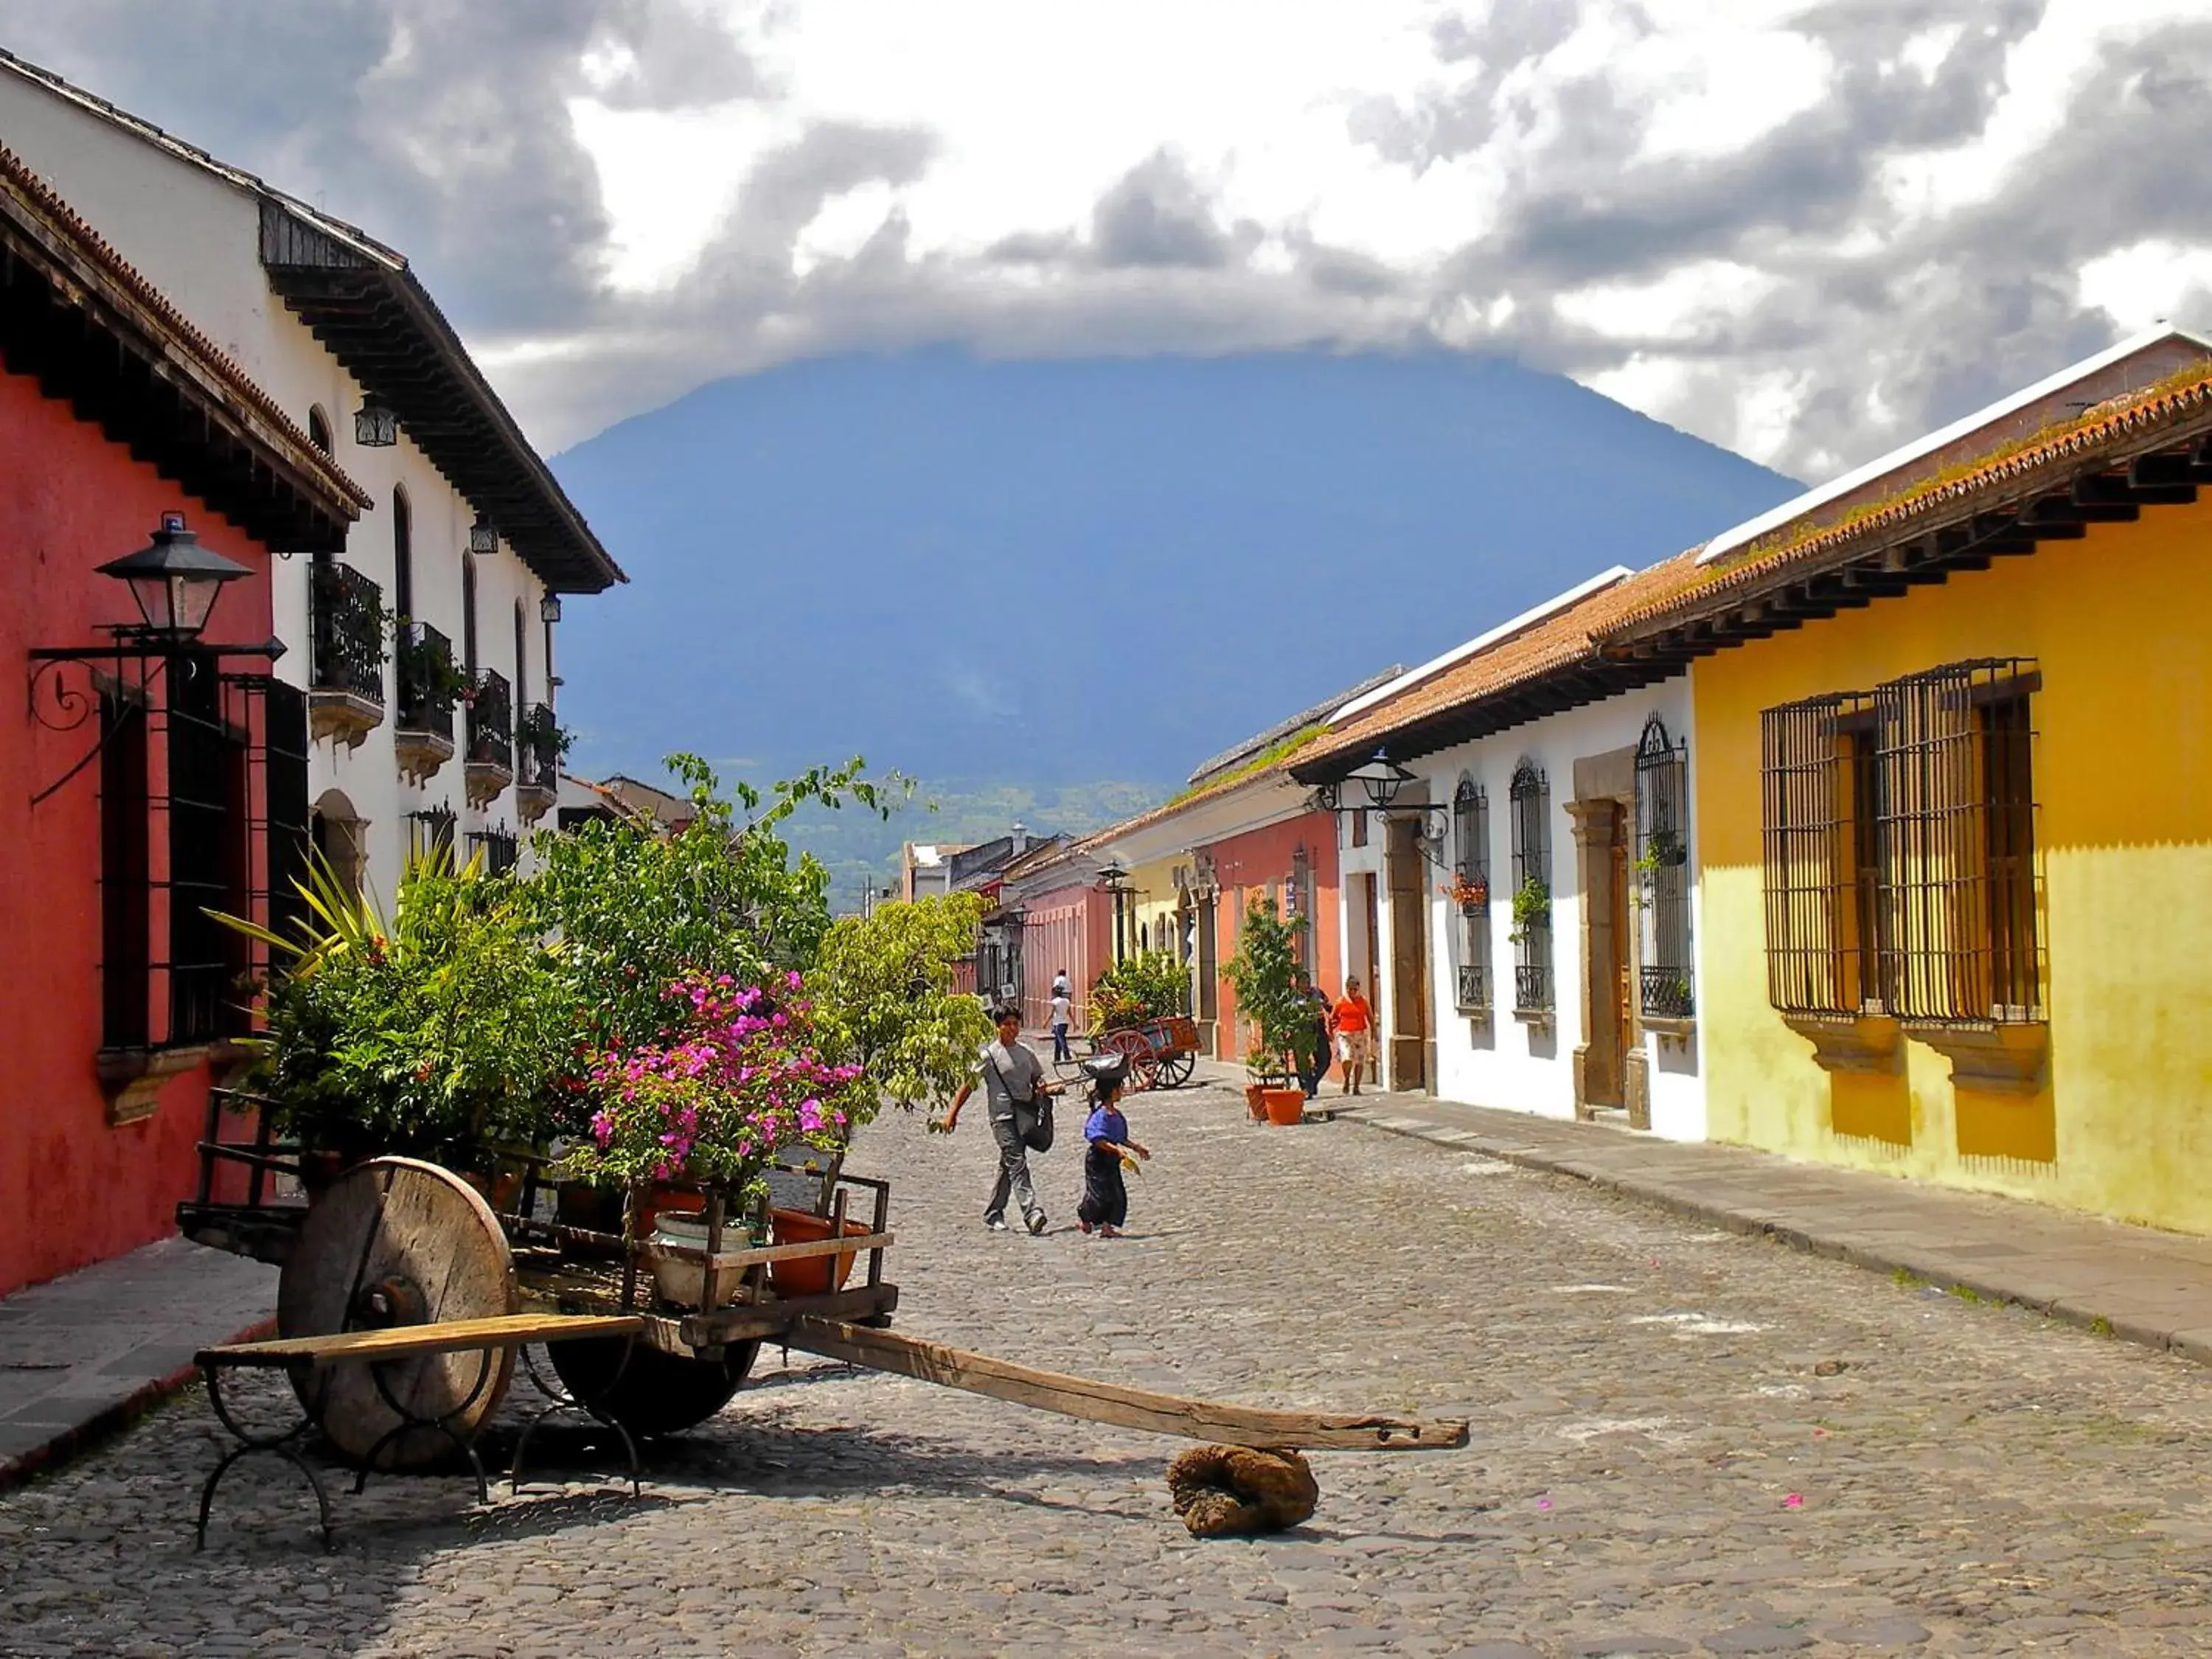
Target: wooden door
[
  {"x": 1409, "y": 956},
  {"x": 1623, "y": 976}
]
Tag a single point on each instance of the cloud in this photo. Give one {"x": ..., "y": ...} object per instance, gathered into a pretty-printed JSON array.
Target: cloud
[
  {"x": 1807, "y": 231},
  {"x": 1156, "y": 215}
]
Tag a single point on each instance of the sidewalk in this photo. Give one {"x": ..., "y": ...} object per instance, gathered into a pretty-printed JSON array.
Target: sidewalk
[
  {"x": 2133, "y": 1283},
  {"x": 82, "y": 1355}
]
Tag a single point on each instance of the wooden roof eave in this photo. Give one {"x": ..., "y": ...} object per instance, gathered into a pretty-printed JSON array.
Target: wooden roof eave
[
  {"x": 88, "y": 335},
  {"x": 378, "y": 322},
  {"x": 2010, "y": 514}
]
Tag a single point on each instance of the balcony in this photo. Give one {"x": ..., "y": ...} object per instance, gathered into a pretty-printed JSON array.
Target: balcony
[
  {"x": 346, "y": 698},
  {"x": 429, "y": 685},
  {"x": 490, "y": 765},
  {"x": 1473, "y": 988},
  {"x": 538, "y": 745}
]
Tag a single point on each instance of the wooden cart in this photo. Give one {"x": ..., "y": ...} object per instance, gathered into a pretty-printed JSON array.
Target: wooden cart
[
  {"x": 392, "y": 1242},
  {"x": 1162, "y": 1053}
]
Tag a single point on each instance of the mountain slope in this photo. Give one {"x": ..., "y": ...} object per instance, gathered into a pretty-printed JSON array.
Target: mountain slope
[{"x": 1066, "y": 570}]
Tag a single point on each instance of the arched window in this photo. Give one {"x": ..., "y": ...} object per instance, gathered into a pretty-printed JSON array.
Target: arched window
[
  {"x": 1530, "y": 801},
  {"x": 403, "y": 555},
  {"x": 1471, "y": 891},
  {"x": 318, "y": 428},
  {"x": 521, "y": 660},
  {"x": 1663, "y": 873},
  {"x": 469, "y": 615}
]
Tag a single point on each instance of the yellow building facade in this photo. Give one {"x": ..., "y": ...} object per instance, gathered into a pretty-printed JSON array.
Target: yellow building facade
[{"x": 1955, "y": 914}]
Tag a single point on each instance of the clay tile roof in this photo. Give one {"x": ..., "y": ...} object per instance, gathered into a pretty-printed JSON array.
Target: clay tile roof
[
  {"x": 1469, "y": 698},
  {"x": 28, "y": 190},
  {"x": 2111, "y": 432}
]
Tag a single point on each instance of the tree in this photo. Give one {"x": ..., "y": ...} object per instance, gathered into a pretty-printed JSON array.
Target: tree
[
  {"x": 885, "y": 999},
  {"x": 1264, "y": 975}
]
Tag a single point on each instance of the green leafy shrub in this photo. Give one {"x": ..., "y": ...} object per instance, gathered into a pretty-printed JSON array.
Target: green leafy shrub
[
  {"x": 1264, "y": 973},
  {"x": 1151, "y": 985},
  {"x": 883, "y": 999}
]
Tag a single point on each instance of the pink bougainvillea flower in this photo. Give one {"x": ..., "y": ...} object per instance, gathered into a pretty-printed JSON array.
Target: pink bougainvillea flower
[
  {"x": 1543, "y": 1503},
  {"x": 1793, "y": 1501}
]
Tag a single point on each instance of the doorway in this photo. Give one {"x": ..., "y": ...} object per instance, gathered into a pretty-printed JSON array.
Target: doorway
[
  {"x": 1411, "y": 1042},
  {"x": 1601, "y": 826}
]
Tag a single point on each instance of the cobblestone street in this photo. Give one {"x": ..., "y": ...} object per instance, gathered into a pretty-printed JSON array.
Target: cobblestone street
[{"x": 1684, "y": 1442}]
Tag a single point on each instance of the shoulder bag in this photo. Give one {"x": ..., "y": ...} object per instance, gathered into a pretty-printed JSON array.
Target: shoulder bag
[{"x": 1032, "y": 1116}]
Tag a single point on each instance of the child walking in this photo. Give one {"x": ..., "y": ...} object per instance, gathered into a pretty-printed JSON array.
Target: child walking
[{"x": 1105, "y": 1203}]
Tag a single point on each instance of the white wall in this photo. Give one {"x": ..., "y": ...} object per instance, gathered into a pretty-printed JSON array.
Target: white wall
[
  {"x": 1510, "y": 1063},
  {"x": 195, "y": 236}
]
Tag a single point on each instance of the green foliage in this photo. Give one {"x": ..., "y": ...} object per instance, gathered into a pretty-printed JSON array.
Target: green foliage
[
  {"x": 1150, "y": 985},
  {"x": 437, "y": 1032},
  {"x": 425, "y": 661},
  {"x": 537, "y": 727},
  {"x": 636, "y": 909},
  {"x": 1264, "y": 974},
  {"x": 1532, "y": 908},
  {"x": 883, "y": 999}
]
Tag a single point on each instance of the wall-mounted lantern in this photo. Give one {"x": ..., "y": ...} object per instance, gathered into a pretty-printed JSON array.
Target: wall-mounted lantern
[
  {"x": 1380, "y": 780},
  {"x": 175, "y": 582},
  {"x": 375, "y": 424},
  {"x": 483, "y": 537},
  {"x": 549, "y": 609}
]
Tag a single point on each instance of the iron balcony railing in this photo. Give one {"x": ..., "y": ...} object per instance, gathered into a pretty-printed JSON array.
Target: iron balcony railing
[
  {"x": 491, "y": 722},
  {"x": 347, "y": 631},
  {"x": 538, "y": 748},
  {"x": 428, "y": 680},
  {"x": 500, "y": 849},
  {"x": 1473, "y": 985}
]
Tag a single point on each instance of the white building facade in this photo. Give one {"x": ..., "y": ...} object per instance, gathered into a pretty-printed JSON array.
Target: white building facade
[
  {"x": 1561, "y": 913},
  {"x": 1526, "y": 900},
  {"x": 427, "y": 650}
]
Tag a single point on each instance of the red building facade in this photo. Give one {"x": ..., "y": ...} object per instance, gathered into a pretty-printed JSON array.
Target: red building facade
[
  {"x": 149, "y": 779},
  {"x": 1292, "y": 861}
]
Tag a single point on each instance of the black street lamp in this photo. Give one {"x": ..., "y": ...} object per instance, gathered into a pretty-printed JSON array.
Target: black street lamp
[
  {"x": 483, "y": 535},
  {"x": 1381, "y": 778},
  {"x": 175, "y": 582},
  {"x": 1116, "y": 879}
]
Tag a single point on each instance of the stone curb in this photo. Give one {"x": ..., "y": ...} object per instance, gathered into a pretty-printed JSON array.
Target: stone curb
[
  {"x": 2193, "y": 1341},
  {"x": 114, "y": 1417}
]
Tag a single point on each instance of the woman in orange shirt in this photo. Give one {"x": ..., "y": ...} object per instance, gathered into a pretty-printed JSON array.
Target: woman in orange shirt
[{"x": 1355, "y": 1034}]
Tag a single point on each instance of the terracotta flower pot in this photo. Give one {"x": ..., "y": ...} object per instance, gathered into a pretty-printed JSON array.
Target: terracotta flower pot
[
  {"x": 1255, "y": 1101},
  {"x": 658, "y": 1200},
  {"x": 1285, "y": 1106},
  {"x": 809, "y": 1276}
]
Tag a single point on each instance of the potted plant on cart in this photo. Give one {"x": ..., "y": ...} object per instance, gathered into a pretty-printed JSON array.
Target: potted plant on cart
[
  {"x": 637, "y": 909},
  {"x": 1263, "y": 973},
  {"x": 439, "y": 1032}
]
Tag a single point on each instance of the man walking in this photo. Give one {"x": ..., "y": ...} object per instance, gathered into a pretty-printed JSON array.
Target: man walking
[{"x": 1012, "y": 1077}]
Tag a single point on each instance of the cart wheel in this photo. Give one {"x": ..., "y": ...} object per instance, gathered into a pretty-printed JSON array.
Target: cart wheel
[
  {"x": 1175, "y": 1070},
  {"x": 655, "y": 1393},
  {"x": 1144, "y": 1064},
  {"x": 397, "y": 1242}
]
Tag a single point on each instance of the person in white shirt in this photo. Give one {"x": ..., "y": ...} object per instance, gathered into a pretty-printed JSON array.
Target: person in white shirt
[{"x": 1063, "y": 1015}]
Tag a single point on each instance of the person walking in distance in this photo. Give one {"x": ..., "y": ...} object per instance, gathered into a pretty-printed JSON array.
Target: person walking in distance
[
  {"x": 1355, "y": 1034},
  {"x": 1063, "y": 1015},
  {"x": 1013, "y": 1084}
]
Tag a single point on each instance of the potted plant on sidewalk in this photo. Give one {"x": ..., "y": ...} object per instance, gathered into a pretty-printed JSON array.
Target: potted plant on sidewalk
[{"x": 1263, "y": 973}]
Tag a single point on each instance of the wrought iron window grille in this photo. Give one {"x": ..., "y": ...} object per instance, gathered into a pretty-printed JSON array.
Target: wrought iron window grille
[
  {"x": 498, "y": 849},
  {"x": 1665, "y": 961},
  {"x": 430, "y": 836},
  {"x": 1528, "y": 805},
  {"x": 348, "y": 636},
  {"x": 1898, "y": 841},
  {"x": 491, "y": 721},
  {"x": 430, "y": 680},
  {"x": 1471, "y": 893}
]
